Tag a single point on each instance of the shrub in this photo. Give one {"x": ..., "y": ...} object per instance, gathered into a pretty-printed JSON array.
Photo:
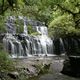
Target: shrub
[
  {"x": 6, "y": 63},
  {"x": 1, "y": 46}
]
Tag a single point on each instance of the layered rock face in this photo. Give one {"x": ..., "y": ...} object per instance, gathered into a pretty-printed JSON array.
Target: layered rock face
[{"x": 23, "y": 44}]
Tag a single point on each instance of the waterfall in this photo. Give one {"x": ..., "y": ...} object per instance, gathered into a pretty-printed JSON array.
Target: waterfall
[
  {"x": 42, "y": 30},
  {"x": 25, "y": 27},
  {"x": 10, "y": 25},
  {"x": 25, "y": 45},
  {"x": 62, "y": 49}
]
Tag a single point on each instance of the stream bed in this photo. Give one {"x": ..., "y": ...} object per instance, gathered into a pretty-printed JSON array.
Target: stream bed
[{"x": 54, "y": 71}]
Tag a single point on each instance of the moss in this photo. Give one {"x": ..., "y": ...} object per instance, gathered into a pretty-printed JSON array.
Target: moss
[
  {"x": 32, "y": 31},
  {"x": 19, "y": 26}
]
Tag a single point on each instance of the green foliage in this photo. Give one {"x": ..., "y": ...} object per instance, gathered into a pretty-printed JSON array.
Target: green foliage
[
  {"x": 32, "y": 32},
  {"x": 6, "y": 63},
  {"x": 30, "y": 29},
  {"x": 40, "y": 10},
  {"x": 62, "y": 16},
  {"x": 62, "y": 25},
  {"x": 65, "y": 19},
  {"x": 19, "y": 26},
  {"x": 71, "y": 5},
  {"x": 2, "y": 26}
]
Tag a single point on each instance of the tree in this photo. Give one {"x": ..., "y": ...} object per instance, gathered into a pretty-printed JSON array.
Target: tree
[
  {"x": 66, "y": 18},
  {"x": 40, "y": 10}
]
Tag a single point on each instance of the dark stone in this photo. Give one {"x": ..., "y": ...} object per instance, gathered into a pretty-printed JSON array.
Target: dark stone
[
  {"x": 20, "y": 37},
  {"x": 1, "y": 37},
  {"x": 67, "y": 67},
  {"x": 56, "y": 46},
  {"x": 72, "y": 66}
]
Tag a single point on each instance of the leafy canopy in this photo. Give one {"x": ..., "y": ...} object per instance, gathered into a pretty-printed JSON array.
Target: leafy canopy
[{"x": 66, "y": 18}]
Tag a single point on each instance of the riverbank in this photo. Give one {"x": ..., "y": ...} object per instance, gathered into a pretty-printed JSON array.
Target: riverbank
[
  {"x": 54, "y": 70},
  {"x": 38, "y": 68}
]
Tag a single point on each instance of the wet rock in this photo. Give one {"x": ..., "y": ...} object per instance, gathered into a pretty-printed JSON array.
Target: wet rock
[
  {"x": 32, "y": 71},
  {"x": 34, "y": 65},
  {"x": 13, "y": 75},
  {"x": 28, "y": 72},
  {"x": 1, "y": 36},
  {"x": 67, "y": 67},
  {"x": 72, "y": 66}
]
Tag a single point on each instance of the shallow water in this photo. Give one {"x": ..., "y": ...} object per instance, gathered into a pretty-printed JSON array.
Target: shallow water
[{"x": 55, "y": 68}]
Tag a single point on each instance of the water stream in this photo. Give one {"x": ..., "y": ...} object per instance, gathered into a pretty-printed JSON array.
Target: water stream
[{"x": 27, "y": 46}]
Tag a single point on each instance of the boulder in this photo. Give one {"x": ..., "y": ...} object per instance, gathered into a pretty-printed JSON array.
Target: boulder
[
  {"x": 13, "y": 75},
  {"x": 72, "y": 66}
]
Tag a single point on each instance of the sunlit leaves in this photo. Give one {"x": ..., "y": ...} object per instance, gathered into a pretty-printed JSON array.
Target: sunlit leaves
[
  {"x": 71, "y": 6},
  {"x": 62, "y": 25},
  {"x": 66, "y": 18}
]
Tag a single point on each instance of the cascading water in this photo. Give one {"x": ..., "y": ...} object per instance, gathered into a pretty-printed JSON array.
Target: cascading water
[{"x": 28, "y": 45}]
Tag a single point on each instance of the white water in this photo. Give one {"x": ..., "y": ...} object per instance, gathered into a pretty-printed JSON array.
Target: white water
[{"x": 30, "y": 46}]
